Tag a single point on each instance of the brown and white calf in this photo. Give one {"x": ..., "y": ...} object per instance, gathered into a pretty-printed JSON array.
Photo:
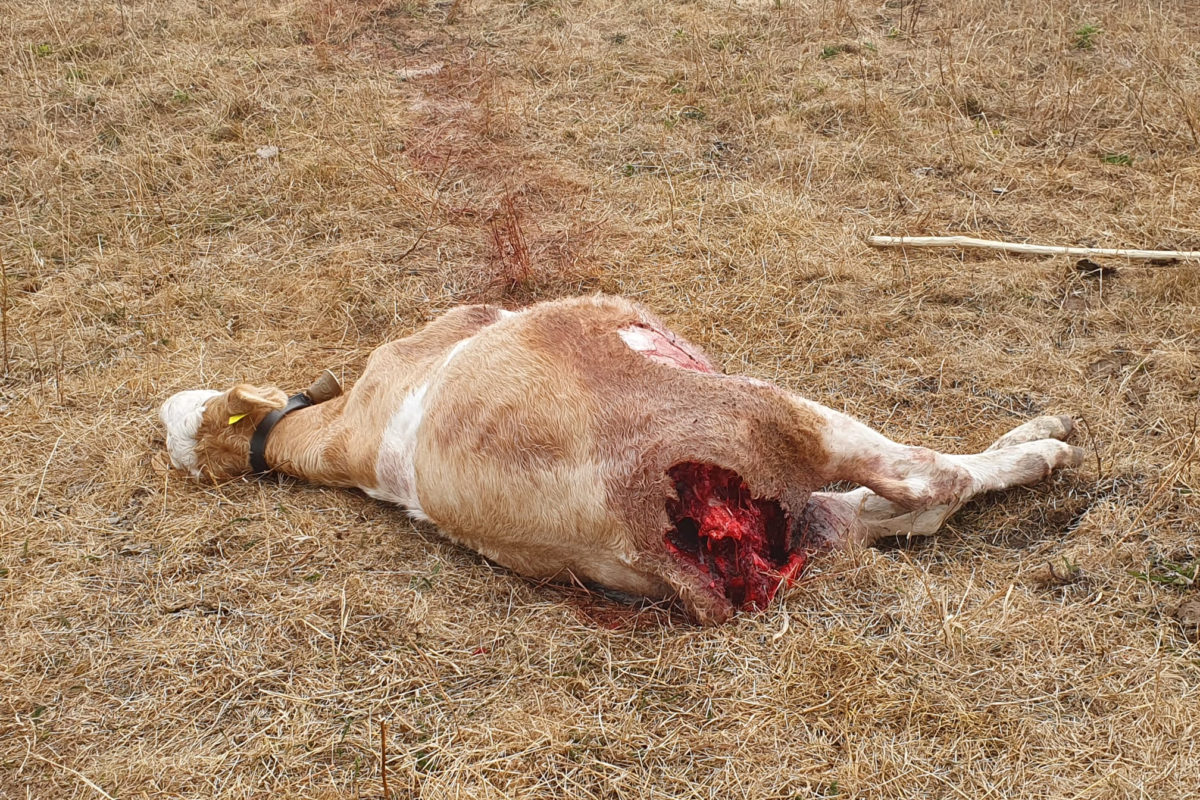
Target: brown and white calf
[{"x": 582, "y": 439}]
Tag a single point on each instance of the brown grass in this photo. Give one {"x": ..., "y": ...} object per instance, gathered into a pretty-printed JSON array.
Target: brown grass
[{"x": 722, "y": 162}]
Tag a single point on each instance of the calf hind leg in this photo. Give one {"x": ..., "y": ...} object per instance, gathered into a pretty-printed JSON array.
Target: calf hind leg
[
  {"x": 918, "y": 478},
  {"x": 917, "y": 502}
]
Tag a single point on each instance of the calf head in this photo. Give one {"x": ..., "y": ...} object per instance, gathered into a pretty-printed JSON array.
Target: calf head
[{"x": 208, "y": 432}]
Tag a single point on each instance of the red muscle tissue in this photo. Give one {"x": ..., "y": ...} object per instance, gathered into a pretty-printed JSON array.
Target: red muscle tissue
[{"x": 739, "y": 543}]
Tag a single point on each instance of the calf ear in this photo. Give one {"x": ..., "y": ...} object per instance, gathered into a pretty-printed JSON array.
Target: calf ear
[{"x": 246, "y": 399}]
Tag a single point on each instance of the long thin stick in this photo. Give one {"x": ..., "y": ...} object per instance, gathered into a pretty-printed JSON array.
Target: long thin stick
[
  {"x": 1018, "y": 247},
  {"x": 383, "y": 756}
]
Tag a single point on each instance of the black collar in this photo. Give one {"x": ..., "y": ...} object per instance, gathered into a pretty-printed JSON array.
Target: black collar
[{"x": 258, "y": 442}]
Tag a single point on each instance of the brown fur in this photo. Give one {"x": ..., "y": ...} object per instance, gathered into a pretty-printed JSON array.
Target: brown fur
[
  {"x": 545, "y": 444},
  {"x": 222, "y": 449}
]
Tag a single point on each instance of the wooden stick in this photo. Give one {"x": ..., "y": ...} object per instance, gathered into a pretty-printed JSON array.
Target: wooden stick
[
  {"x": 1017, "y": 247},
  {"x": 383, "y": 756}
]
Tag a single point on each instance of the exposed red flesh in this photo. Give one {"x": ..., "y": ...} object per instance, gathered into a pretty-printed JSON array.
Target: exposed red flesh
[{"x": 738, "y": 543}]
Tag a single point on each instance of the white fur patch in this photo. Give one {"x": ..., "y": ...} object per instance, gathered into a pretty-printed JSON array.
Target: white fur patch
[
  {"x": 395, "y": 474},
  {"x": 455, "y": 351},
  {"x": 181, "y": 416}
]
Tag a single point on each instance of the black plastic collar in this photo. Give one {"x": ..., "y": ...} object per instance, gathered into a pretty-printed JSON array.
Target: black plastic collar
[{"x": 258, "y": 442}]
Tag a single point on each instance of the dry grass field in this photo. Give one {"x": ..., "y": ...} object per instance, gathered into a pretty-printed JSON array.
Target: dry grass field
[{"x": 197, "y": 192}]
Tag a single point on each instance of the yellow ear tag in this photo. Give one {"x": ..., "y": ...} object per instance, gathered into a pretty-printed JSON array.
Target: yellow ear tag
[{"x": 235, "y": 418}]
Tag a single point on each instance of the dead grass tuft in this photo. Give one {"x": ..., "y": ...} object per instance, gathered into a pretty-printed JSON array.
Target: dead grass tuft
[{"x": 196, "y": 194}]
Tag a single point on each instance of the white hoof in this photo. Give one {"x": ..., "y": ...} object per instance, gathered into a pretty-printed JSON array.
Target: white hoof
[{"x": 1050, "y": 427}]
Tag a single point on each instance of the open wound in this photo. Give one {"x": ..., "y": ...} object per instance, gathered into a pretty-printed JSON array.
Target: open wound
[
  {"x": 664, "y": 347},
  {"x": 738, "y": 543}
]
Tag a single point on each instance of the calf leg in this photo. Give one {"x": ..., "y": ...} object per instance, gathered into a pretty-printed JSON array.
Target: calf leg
[{"x": 917, "y": 495}]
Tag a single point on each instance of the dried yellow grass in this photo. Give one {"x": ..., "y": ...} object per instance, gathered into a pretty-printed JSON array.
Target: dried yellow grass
[{"x": 199, "y": 193}]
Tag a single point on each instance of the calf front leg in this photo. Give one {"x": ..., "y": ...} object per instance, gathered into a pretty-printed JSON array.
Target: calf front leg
[{"x": 915, "y": 490}]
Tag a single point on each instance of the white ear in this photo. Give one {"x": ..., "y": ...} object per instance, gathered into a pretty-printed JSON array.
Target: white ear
[{"x": 181, "y": 416}]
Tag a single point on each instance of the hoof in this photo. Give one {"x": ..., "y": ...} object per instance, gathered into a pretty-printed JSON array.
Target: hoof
[{"x": 1050, "y": 427}]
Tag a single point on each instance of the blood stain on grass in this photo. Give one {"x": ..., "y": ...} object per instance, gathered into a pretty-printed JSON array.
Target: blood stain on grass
[
  {"x": 520, "y": 208},
  {"x": 510, "y": 252}
]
